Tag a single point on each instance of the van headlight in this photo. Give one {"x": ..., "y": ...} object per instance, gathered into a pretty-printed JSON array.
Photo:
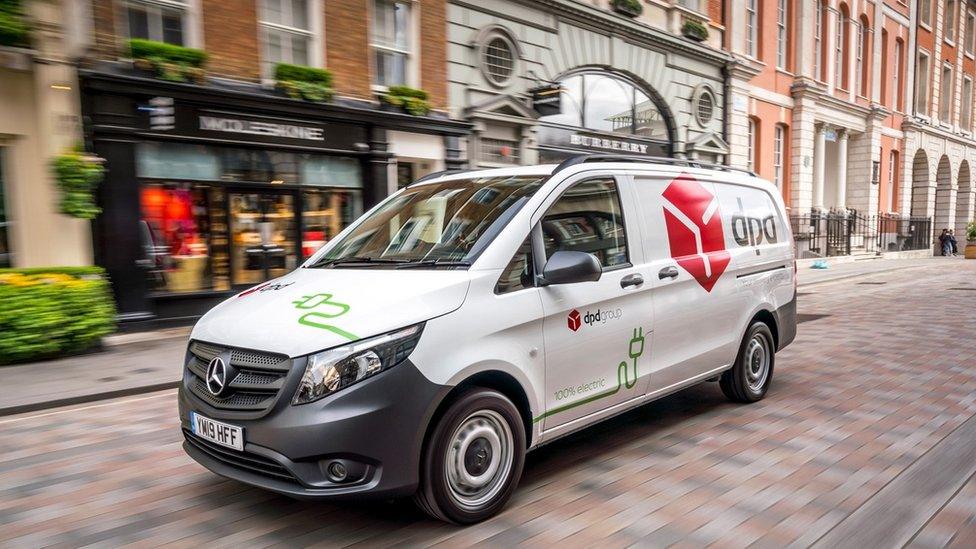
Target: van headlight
[{"x": 340, "y": 367}]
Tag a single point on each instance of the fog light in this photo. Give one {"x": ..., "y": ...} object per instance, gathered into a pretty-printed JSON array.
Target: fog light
[{"x": 337, "y": 471}]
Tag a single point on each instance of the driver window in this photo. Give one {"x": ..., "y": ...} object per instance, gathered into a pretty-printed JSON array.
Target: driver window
[{"x": 588, "y": 218}]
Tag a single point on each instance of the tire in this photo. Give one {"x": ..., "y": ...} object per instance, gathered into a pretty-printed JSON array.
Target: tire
[
  {"x": 750, "y": 376},
  {"x": 460, "y": 479}
]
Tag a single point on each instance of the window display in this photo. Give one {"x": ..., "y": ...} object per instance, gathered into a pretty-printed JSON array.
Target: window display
[{"x": 176, "y": 237}]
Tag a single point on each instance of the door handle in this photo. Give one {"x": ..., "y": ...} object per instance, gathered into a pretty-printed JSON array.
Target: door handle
[
  {"x": 668, "y": 272},
  {"x": 631, "y": 280}
]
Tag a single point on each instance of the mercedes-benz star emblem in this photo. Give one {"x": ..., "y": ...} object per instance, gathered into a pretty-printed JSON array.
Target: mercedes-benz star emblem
[{"x": 216, "y": 376}]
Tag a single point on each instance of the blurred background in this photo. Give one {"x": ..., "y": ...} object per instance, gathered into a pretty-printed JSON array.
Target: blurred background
[{"x": 192, "y": 148}]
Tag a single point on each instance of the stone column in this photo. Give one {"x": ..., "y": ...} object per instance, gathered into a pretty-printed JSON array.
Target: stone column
[
  {"x": 820, "y": 143},
  {"x": 842, "y": 170}
]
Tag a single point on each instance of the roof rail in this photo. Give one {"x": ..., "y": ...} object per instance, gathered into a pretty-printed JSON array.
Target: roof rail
[
  {"x": 441, "y": 173},
  {"x": 609, "y": 157}
]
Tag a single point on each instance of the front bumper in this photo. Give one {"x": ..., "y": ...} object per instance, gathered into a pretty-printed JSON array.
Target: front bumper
[{"x": 375, "y": 428}]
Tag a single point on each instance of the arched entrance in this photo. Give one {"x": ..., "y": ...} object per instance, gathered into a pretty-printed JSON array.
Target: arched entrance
[
  {"x": 921, "y": 185},
  {"x": 965, "y": 202},
  {"x": 606, "y": 111},
  {"x": 945, "y": 198}
]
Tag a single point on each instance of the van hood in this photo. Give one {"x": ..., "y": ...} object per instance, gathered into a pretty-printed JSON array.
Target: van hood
[{"x": 310, "y": 310}]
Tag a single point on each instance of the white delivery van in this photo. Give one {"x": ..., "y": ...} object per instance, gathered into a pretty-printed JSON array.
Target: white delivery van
[{"x": 474, "y": 316}]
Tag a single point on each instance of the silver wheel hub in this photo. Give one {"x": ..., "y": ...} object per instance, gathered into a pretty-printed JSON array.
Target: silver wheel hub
[
  {"x": 757, "y": 362},
  {"x": 479, "y": 459}
]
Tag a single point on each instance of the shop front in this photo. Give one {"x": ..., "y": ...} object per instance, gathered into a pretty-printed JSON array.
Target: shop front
[{"x": 206, "y": 196}]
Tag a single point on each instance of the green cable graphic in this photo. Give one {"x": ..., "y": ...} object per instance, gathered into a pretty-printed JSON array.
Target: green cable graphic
[
  {"x": 623, "y": 380},
  {"x": 313, "y": 318}
]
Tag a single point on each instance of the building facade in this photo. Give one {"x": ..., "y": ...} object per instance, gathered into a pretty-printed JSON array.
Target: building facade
[
  {"x": 546, "y": 79},
  {"x": 39, "y": 118},
  {"x": 818, "y": 100},
  {"x": 221, "y": 183},
  {"x": 940, "y": 143}
]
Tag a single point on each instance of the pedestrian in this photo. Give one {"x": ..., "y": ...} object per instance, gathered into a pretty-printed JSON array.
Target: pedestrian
[
  {"x": 952, "y": 241},
  {"x": 944, "y": 243}
]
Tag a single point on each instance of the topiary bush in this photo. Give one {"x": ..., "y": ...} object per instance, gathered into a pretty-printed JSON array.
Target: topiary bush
[
  {"x": 49, "y": 312},
  {"x": 78, "y": 175},
  {"x": 301, "y": 82}
]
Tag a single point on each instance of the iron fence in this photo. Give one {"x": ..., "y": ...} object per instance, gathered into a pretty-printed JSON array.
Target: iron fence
[{"x": 845, "y": 232}]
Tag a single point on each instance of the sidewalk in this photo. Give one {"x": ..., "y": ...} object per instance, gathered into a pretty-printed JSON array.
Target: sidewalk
[{"x": 152, "y": 361}]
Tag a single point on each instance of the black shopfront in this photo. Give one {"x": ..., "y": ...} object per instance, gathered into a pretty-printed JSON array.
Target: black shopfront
[{"x": 211, "y": 190}]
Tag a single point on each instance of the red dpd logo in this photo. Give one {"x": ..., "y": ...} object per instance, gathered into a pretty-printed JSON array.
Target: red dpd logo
[
  {"x": 573, "y": 321},
  {"x": 695, "y": 230}
]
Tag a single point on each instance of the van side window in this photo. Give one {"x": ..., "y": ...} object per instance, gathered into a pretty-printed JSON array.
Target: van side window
[
  {"x": 588, "y": 218},
  {"x": 518, "y": 275}
]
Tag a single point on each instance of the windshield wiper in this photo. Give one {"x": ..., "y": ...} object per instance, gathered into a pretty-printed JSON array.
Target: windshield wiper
[
  {"x": 359, "y": 260},
  {"x": 439, "y": 262}
]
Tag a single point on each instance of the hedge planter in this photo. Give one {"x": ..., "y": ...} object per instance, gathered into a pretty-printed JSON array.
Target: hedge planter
[
  {"x": 629, "y": 8},
  {"x": 48, "y": 313},
  {"x": 301, "y": 82},
  {"x": 405, "y": 99},
  {"x": 168, "y": 62},
  {"x": 694, "y": 30},
  {"x": 14, "y": 30},
  {"x": 970, "y": 252}
]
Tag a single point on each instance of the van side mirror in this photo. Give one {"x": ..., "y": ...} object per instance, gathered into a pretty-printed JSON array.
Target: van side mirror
[{"x": 565, "y": 267}]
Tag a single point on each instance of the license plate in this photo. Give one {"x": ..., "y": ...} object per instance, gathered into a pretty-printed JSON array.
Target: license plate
[{"x": 223, "y": 434}]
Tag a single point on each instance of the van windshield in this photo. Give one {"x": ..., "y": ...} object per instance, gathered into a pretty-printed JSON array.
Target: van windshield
[{"x": 445, "y": 224}]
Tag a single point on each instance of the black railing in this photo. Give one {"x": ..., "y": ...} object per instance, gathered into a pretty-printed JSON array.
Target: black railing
[{"x": 845, "y": 232}]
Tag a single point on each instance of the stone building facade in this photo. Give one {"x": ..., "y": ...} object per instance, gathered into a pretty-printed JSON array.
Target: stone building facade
[
  {"x": 546, "y": 79},
  {"x": 818, "y": 100},
  {"x": 939, "y": 135}
]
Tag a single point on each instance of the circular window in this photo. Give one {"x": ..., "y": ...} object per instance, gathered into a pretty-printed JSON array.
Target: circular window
[
  {"x": 498, "y": 60},
  {"x": 705, "y": 107}
]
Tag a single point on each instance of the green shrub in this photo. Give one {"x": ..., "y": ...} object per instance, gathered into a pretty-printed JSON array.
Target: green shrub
[
  {"x": 971, "y": 231},
  {"x": 14, "y": 30},
  {"x": 78, "y": 175},
  {"x": 409, "y": 99},
  {"x": 169, "y": 62},
  {"x": 694, "y": 29},
  {"x": 301, "y": 82},
  {"x": 300, "y": 73},
  {"x": 49, "y": 312},
  {"x": 630, "y": 8}
]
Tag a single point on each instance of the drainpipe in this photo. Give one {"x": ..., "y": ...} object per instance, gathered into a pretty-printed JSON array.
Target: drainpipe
[{"x": 727, "y": 102}]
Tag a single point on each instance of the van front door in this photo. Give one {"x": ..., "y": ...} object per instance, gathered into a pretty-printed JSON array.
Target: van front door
[{"x": 597, "y": 334}]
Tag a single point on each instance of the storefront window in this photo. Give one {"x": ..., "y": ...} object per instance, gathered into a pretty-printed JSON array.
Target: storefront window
[
  {"x": 217, "y": 218},
  {"x": 325, "y": 214},
  {"x": 177, "y": 233},
  {"x": 262, "y": 227}
]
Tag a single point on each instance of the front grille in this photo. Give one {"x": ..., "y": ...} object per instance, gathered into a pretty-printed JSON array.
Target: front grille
[
  {"x": 260, "y": 377},
  {"x": 242, "y": 460}
]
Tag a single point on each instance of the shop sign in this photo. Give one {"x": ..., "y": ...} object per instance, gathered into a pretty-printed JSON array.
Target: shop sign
[
  {"x": 547, "y": 100},
  {"x": 603, "y": 143},
  {"x": 262, "y": 128}
]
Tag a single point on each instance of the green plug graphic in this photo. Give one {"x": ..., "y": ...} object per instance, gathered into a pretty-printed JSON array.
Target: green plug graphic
[{"x": 636, "y": 350}]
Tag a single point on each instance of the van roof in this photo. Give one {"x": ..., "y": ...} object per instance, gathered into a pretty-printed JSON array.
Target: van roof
[{"x": 608, "y": 162}]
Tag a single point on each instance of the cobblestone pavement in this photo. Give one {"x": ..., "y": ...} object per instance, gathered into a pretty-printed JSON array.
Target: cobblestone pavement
[{"x": 881, "y": 382}]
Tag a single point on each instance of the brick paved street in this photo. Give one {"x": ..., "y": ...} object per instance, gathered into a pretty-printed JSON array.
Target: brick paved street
[{"x": 884, "y": 381}]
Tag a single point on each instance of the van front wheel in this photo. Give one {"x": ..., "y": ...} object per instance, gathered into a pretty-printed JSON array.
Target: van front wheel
[
  {"x": 473, "y": 459},
  {"x": 750, "y": 376}
]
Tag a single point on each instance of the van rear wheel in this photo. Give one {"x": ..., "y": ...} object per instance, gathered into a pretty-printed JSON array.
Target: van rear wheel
[
  {"x": 473, "y": 459},
  {"x": 750, "y": 376}
]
